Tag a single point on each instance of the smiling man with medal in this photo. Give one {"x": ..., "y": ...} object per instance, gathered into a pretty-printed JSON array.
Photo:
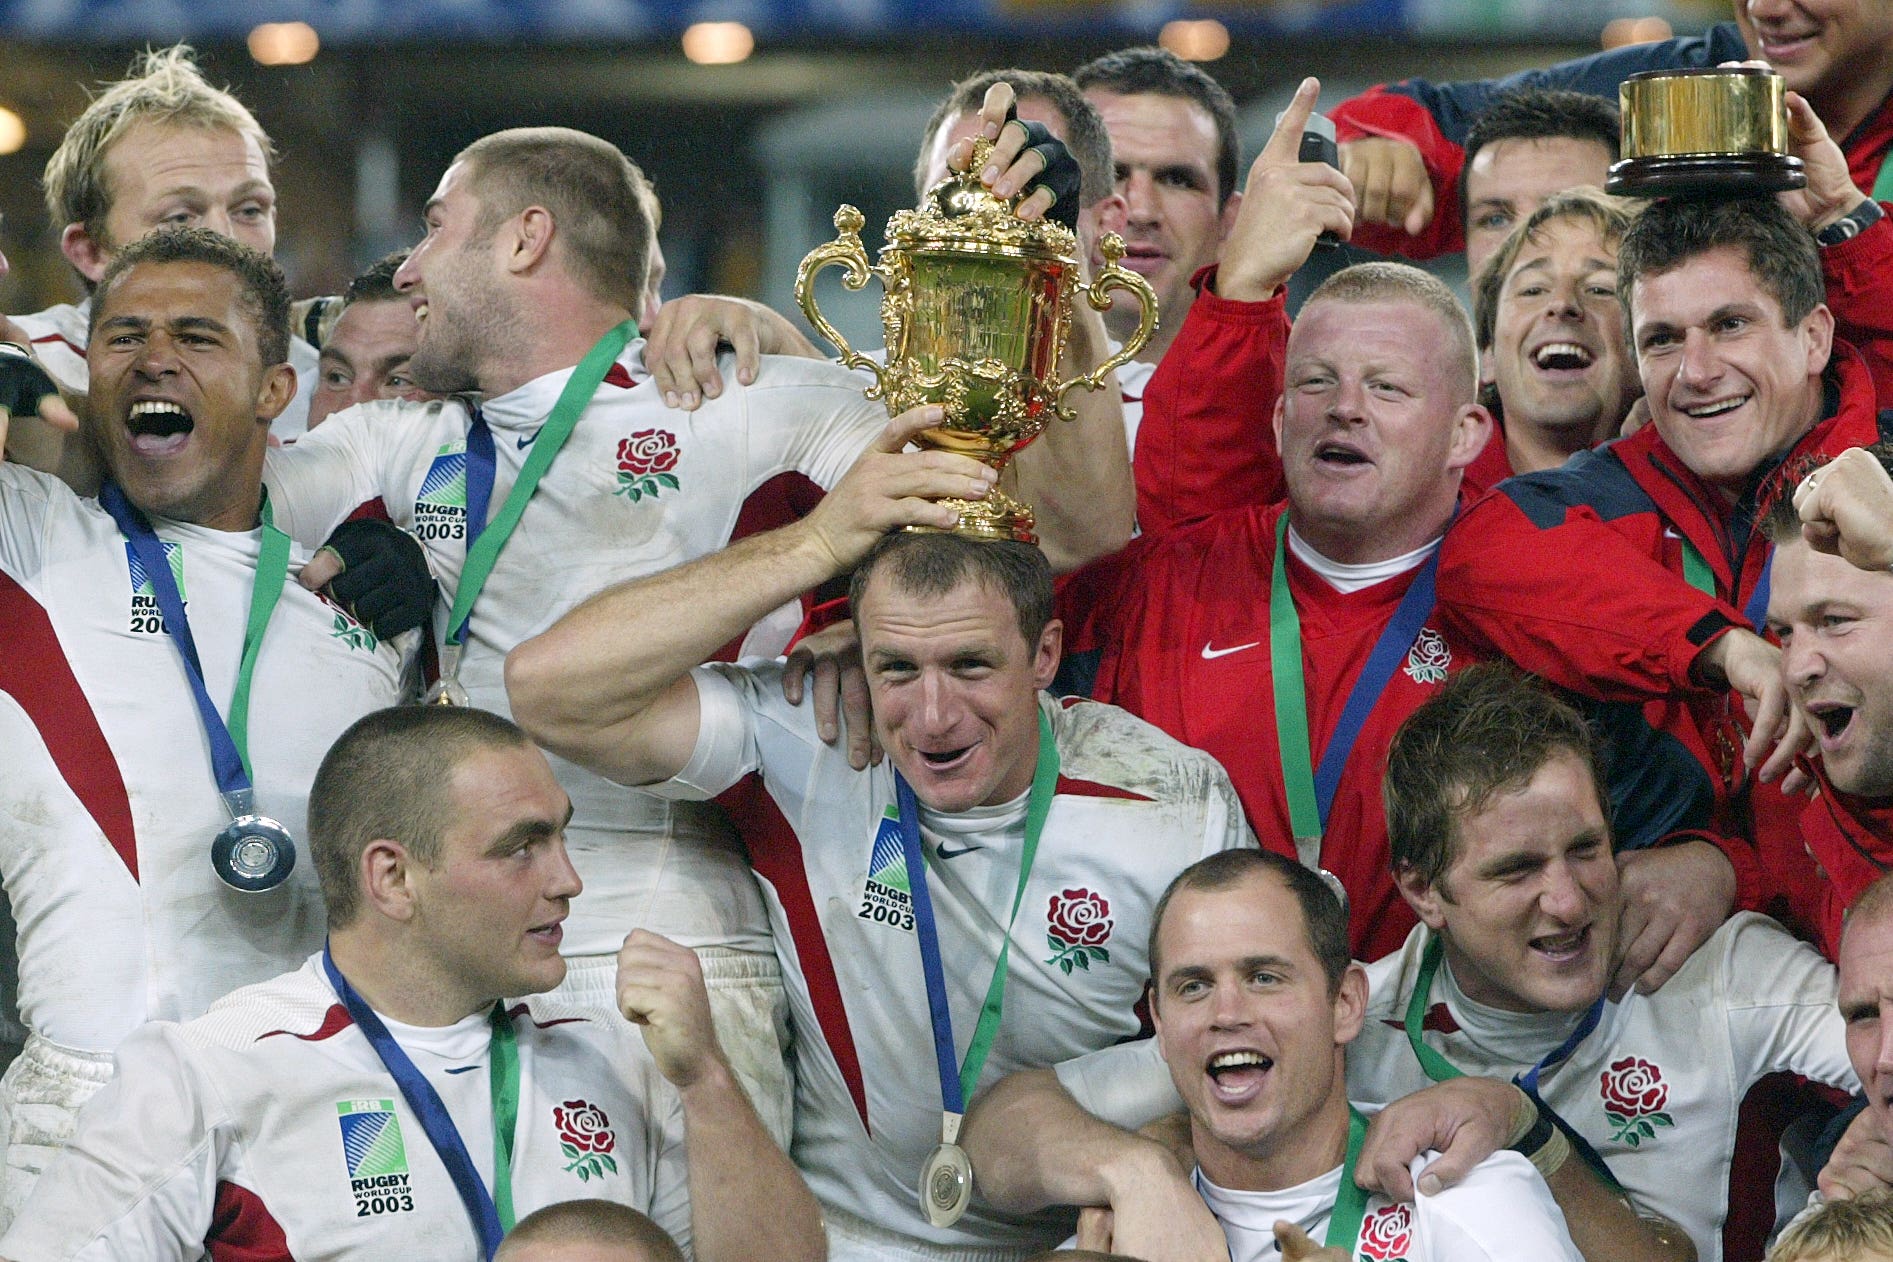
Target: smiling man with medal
[
  {"x": 975, "y": 904},
  {"x": 390, "y": 1097},
  {"x": 159, "y": 664},
  {"x": 571, "y": 475},
  {"x": 1255, "y": 1004}
]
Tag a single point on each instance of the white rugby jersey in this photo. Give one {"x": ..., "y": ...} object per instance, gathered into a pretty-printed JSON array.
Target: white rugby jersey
[
  {"x": 268, "y": 1129},
  {"x": 1500, "y": 1212},
  {"x": 59, "y": 338},
  {"x": 638, "y": 488},
  {"x": 107, "y": 800},
  {"x": 1655, "y": 1089},
  {"x": 1132, "y": 380},
  {"x": 1132, "y": 809}
]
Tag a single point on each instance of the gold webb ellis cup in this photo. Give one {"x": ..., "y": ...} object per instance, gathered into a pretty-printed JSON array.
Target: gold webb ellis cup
[{"x": 976, "y": 305}]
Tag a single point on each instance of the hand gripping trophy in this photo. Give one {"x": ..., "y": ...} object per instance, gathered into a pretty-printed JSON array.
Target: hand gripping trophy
[{"x": 976, "y": 306}]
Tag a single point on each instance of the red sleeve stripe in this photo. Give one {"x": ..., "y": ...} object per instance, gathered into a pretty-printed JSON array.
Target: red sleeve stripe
[
  {"x": 63, "y": 341},
  {"x": 243, "y": 1230},
  {"x": 334, "y": 1021},
  {"x": 35, "y": 673},
  {"x": 1068, "y": 787},
  {"x": 776, "y": 854}
]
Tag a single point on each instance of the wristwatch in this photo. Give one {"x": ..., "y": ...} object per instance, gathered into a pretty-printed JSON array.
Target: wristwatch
[{"x": 1852, "y": 224}]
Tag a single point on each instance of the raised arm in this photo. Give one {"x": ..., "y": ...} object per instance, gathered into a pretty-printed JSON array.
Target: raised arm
[
  {"x": 1206, "y": 442},
  {"x": 747, "y": 1202},
  {"x": 1403, "y": 143},
  {"x": 608, "y": 685}
]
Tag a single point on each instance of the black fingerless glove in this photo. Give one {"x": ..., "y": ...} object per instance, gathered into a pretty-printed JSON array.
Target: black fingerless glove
[
  {"x": 384, "y": 579},
  {"x": 23, "y": 383},
  {"x": 1060, "y": 175}
]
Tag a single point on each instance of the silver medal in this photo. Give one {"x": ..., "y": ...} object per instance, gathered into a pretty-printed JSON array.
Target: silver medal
[
  {"x": 254, "y": 853},
  {"x": 946, "y": 1185},
  {"x": 946, "y": 1181}
]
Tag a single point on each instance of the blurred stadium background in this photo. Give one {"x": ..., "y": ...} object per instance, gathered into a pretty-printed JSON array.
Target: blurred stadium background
[{"x": 754, "y": 117}]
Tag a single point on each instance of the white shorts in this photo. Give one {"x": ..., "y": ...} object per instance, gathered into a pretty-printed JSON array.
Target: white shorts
[
  {"x": 748, "y": 1005},
  {"x": 41, "y": 1094},
  {"x": 852, "y": 1239}
]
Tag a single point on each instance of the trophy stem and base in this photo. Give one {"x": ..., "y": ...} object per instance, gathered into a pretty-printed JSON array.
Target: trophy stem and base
[{"x": 997, "y": 517}]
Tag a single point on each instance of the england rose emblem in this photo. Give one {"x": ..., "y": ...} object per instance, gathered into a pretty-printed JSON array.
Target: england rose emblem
[
  {"x": 1077, "y": 923},
  {"x": 645, "y": 461},
  {"x": 1634, "y": 1096},
  {"x": 1429, "y": 658},
  {"x": 1387, "y": 1234},
  {"x": 586, "y": 1139}
]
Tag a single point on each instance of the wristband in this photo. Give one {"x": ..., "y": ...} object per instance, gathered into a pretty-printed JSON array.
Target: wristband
[
  {"x": 1537, "y": 1140},
  {"x": 1852, "y": 224},
  {"x": 1549, "y": 1159}
]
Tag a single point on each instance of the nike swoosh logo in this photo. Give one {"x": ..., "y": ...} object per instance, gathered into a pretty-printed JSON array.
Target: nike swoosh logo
[
  {"x": 1210, "y": 654},
  {"x": 463, "y": 1069},
  {"x": 527, "y": 440},
  {"x": 1669, "y": 532},
  {"x": 944, "y": 853}
]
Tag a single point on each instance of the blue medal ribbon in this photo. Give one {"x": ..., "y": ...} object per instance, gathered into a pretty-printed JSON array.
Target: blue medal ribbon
[
  {"x": 1311, "y": 791},
  {"x": 229, "y": 743},
  {"x": 957, "y": 1081},
  {"x": 1439, "y": 1069},
  {"x": 436, "y": 1122}
]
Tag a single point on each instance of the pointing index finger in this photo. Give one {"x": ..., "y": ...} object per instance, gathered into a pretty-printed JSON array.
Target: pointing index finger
[{"x": 1285, "y": 142}]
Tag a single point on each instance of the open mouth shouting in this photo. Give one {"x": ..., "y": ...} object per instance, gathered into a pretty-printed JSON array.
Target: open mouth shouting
[
  {"x": 945, "y": 761},
  {"x": 1236, "y": 1077},
  {"x": 159, "y": 427},
  {"x": 1337, "y": 453},
  {"x": 1556, "y": 358},
  {"x": 1831, "y": 722}
]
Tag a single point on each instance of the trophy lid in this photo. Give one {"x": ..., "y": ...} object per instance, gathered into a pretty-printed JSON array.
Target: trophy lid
[
  {"x": 1736, "y": 110},
  {"x": 1704, "y": 131},
  {"x": 962, "y": 215}
]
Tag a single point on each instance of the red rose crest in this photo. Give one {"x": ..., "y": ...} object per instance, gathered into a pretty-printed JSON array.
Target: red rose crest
[
  {"x": 645, "y": 461},
  {"x": 586, "y": 1139},
  {"x": 1634, "y": 1098},
  {"x": 1077, "y": 923},
  {"x": 1429, "y": 658},
  {"x": 1387, "y": 1234}
]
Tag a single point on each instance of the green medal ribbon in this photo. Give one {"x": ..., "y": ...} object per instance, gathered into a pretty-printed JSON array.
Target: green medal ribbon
[
  {"x": 503, "y": 1085},
  {"x": 1439, "y": 1069},
  {"x": 272, "y": 571},
  {"x": 956, "y": 1089},
  {"x": 1291, "y": 703},
  {"x": 229, "y": 736},
  {"x": 483, "y": 553},
  {"x": 1436, "y": 1066},
  {"x": 1883, "y": 182},
  {"x": 1350, "y": 1199}
]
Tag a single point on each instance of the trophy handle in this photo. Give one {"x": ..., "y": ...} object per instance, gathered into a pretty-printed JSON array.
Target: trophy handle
[
  {"x": 844, "y": 251},
  {"x": 1098, "y": 293}
]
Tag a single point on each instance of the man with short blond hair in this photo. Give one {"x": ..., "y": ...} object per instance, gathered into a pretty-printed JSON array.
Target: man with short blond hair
[{"x": 162, "y": 146}]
